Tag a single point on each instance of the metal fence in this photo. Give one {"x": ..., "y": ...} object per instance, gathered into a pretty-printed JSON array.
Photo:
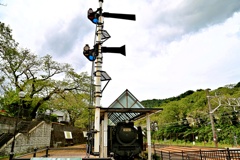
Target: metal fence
[{"x": 220, "y": 154}]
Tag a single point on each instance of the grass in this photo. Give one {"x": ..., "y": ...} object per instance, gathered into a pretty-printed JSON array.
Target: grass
[
  {"x": 196, "y": 144},
  {"x": 4, "y": 157}
]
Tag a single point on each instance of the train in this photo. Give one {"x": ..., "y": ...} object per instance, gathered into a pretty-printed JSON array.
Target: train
[{"x": 125, "y": 141}]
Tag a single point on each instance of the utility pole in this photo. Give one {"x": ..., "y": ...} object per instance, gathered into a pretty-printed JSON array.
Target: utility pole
[
  {"x": 222, "y": 101},
  {"x": 211, "y": 119}
]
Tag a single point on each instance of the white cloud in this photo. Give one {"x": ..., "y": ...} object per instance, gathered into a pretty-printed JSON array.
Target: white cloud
[{"x": 173, "y": 46}]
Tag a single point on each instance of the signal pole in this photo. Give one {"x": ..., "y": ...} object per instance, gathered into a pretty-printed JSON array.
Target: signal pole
[
  {"x": 98, "y": 93},
  {"x": 95, "y": 55}
]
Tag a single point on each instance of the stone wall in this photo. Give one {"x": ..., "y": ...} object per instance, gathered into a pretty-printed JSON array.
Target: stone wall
[
  {"x": 42, "y": 135},
  {"x": 58, "y": 135},
  {"x": 7, "y": 124},
  {"x": 39, "y": 136}
]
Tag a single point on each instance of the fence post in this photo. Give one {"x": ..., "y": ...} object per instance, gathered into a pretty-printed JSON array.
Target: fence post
[
  {"x": 35, "y": 151},
  {"x": 169, "y": 155},
  {"x": 161, "y": 155},
  {"x": 182, "y": 155},
  {"x": 228, "y": 154},
  {"x": 155, "y": 154},
  {"x": 47, "y": 151},
  {"x": 201, "y": 154}
]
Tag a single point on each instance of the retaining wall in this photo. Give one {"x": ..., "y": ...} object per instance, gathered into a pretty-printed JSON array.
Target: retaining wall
[{"x": 39, "y": 136}]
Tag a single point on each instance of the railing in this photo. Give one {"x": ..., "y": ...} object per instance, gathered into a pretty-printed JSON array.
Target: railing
[
  {"x": 220, "y": 154},
  {"x": 4, "y": 138},
  {"x": 211, "y": 154}
]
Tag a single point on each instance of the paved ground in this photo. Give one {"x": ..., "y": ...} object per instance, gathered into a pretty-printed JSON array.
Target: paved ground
[
  {"x": 71, "y": 151},
  {"x": 180, "y": 149},
  {"x": 80, "y": 151}
]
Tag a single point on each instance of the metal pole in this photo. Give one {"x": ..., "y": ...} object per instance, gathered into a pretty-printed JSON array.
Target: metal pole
[
  {"x": 98, "y": 93},
  {"x": 15, "y": 131},
  {"x": 211, "y": 119},
  {"x": 13, "y": 142}
]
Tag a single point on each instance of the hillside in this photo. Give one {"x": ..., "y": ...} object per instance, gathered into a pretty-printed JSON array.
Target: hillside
[{"x": 188, "y": 114}]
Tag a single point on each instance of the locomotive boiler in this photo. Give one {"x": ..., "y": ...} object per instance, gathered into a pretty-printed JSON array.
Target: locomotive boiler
[{"x": 125, "y": 141}]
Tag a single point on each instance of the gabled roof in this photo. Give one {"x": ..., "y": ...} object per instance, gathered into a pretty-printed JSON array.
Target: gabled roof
[
  {"x": 127, "y": 108},
  {"x": 126, "y": 100}
]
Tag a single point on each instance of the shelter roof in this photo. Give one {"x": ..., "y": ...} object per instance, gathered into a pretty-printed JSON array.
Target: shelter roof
[{"x": 127, "y": 108}]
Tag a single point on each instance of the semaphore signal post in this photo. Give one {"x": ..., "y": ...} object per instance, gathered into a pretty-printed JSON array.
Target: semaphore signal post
[{"x": 95, "y": 55}]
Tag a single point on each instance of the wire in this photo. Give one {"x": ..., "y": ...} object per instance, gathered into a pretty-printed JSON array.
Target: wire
[{"x": 90, "y": 119}]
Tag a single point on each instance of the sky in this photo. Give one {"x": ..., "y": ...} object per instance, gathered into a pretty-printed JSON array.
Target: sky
[{"x": 172, "y": 47}]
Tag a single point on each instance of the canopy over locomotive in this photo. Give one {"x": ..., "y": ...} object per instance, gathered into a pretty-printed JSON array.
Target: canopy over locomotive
[{"x": 123, "y": 138}]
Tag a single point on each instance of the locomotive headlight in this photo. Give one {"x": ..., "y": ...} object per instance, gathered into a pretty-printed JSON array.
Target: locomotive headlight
[{"x": 127, "y": 121}]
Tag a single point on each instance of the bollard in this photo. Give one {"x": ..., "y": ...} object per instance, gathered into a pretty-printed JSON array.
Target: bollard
[
  {"x": 35, "y": 151},
  {"x": 47, "y": 151}
]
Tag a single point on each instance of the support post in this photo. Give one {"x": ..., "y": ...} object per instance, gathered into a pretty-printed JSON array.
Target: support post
[
  {"x": 149, "y": 137},
  {"x": 98, "y": 93},
  {"x": 105, "y": 135},
  {"x": 101, "y": 139}
]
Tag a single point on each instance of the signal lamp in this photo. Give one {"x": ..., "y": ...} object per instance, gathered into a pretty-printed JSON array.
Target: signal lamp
[
  {"x": 90, "y": 54},
  {"x": 93, "y": 16}
]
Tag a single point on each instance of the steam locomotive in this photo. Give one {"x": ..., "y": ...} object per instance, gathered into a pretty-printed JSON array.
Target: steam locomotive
[{"x": 125, "y": 141}]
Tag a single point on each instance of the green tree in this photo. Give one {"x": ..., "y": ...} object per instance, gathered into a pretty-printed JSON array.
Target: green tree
[
  {"x": 76, "y": 105},
  {"x": 38, "y": 77}
]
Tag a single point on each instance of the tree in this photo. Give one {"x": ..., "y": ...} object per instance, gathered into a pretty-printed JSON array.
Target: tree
[
  {"x": 75, "y": 104},
  {"x": 237, "y": 85},
  {"x": 38, "y": 77}
]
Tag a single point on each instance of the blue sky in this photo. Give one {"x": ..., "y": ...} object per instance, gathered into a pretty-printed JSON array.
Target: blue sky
[{"x": 173, "y": 46}]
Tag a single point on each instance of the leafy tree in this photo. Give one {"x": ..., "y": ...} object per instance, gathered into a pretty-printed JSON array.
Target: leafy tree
[
  {"x": 237, "y": 85},
  {"x": 76, "y": 106},
  {"x": 38, "y": 77},
  {"x": 193, "y": 106}
]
